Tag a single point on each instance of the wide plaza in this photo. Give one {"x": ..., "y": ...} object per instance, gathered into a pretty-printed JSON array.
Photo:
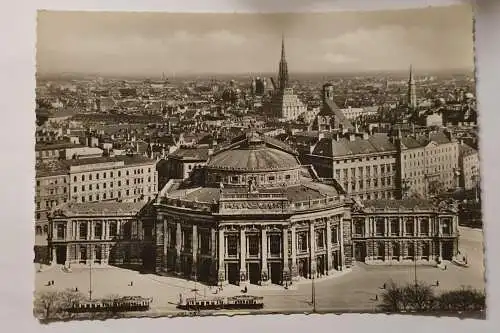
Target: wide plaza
[{"x": 353, "y": 291}]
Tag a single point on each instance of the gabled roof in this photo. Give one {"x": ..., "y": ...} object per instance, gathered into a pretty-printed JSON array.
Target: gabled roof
[{"x": 376, "y": 143}]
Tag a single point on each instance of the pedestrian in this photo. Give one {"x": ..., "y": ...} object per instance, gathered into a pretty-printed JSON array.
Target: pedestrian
[
  {"x": 437, "y": 283},
  {"x": 131, "y": 283},
  {"x": 384, "y": 286},
  {"x": 376, "y": 297},
  {"x": 76, "y": 289}
]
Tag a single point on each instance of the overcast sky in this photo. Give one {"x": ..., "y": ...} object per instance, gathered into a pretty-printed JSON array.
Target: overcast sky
[{"x": 152, "y": 43}]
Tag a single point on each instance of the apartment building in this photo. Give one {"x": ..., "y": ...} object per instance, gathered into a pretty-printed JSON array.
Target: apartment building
[
  {"x": 364, "y": 165},
  {"x": 126, "y": 178},
  {"x": 429, "y": 163}
]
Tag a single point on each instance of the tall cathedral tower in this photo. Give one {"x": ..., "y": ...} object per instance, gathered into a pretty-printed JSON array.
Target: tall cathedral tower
[
  {"x": 412, "y": 94},
  {"x": 283, "y": 68}
]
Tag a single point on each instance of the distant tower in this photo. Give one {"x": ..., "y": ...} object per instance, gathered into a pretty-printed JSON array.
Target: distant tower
[
  {"x": 412, "y": 94},
  {"x": 283, "y": 68}
]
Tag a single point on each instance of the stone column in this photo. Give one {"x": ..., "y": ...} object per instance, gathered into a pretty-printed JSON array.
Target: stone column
[
  {"x": 294, "y": 270},
  {"x": 264, "y": 273},
  {"x": 66, "y": 263},
  {"x": 414, "y": 226},
  {"x": 54, "y": 256},
  {"x": 386, "y": 226},
  {"x": 417, "y": 220},
  {"x": 367, "y": 226},
  {"x": 213, "y": 253},
  {"x": 243, "y": 256},
  {"x": 286, "y": 268},
  {"x": 312, "y": 248},
  {"x": 221, "y": 271},
  {"x": 194, "y": 269},
  {"x": 89, "y": 232},
  {"x": 178, "y": 248},
  {"x": 163, "y": 221},
  {"x": 329, "y": 255},
  {"x": 341, "y": 241},
  {"x": 389, "y": 228}
]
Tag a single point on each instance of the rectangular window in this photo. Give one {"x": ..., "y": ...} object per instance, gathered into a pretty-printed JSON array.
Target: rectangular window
[
  {"x": 60, "y": 231},
  {"x": 75, "y": 189},
  {"x": 379, "y": 227},
  {"x": 409, "y": 227},
  {"x": 232, "y": 245},
  {"x": 275, "y": 245},
  {"x": 253, "y": 245},
  {"x": 424, "y": 226},
  {"x": 83, "y": 231},
  {"x": 302, "y": 242},
  {"x": 394, "y": 227},
  {"x": 98, "y": 230}
]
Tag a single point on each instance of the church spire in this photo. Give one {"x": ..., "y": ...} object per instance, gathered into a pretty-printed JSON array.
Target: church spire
[
  {"x": 283, "y": 67},
  {"x": 412, "y": 95},
  {"x": 283, "y": 48}
]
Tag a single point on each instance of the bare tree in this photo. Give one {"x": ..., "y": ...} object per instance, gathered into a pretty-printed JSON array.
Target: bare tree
[
  {"x": 47, "y": 304},
  {"x": 392, "y": 298}
]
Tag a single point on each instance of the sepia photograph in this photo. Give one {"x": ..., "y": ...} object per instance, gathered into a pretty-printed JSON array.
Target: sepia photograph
[{"x": 229, "y": 164}]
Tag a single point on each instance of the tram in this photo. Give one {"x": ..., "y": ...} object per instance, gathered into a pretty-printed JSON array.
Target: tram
[
  {"x": 219, "y": 303},
  {"x": 122, "y": 304}
]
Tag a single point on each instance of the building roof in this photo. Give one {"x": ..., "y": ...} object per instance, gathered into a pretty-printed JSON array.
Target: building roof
[
  {"x": 61, "y": 167},
  {"x": 466, "y": 150},
  {"x": 296, "y": 193},
  {"x": 254, "y": 152},
  {"x": 127, "y": 159},
  {"x": 260, "y": 159},
  {"x": 376, "y": 143},
  {"x": 420, "y": 141},
  {"x": 99, "y": 208},
  {"x": 399, "y": 204},
  {"x": 190, "y": 154},
  {"x": 56, "y": 145}
]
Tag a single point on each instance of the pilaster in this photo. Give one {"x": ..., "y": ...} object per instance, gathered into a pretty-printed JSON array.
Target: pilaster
[
  {"x": 194, "y": 239},
  {"x": 178, "y": 247},
  {"x": 294, "y": 269},
  {"x": 329, "y": 264},
  {"x": 243, "y": 256},
  {"x": 286, "y": 269},
  {"x": 264, "y": 273},
  {"x": 312, "y": 249},
  {"x": 222, "y": 269}
]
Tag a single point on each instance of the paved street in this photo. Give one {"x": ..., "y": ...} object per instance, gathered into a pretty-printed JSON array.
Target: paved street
[{"x": 355, "y": 290}]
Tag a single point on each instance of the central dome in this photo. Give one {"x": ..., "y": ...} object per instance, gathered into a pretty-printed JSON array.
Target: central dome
[{"x": 253, "y": 159}]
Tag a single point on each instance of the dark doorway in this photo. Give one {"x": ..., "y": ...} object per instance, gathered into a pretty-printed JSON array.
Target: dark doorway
[
  {"x": 186, "y": 266},
  {"x": 204, "y": 270},
  {"x": 304, "y": 267},
  {"x": 98, "y": 254},
  {"x": 426, "y": 251},
  {"x": 447, "y": 250},
  {"x": 61, "y": 255},
  {"x": 83, "y": 255},
  {"x": 148, "y": 258},
  {"x": 320, "y": 261},
  {"x": 395, "y": 251},
  {"x": 254, "y": 273},
  {"x": 335, "y": 260},
  {"x": 359, "y": 252},
  {"x": 276, "y": 273},
  {"x": 233, "y": 273}
]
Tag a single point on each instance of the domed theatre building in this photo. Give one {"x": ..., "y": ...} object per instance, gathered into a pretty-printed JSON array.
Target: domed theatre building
[{"x": 255, "y": 215}]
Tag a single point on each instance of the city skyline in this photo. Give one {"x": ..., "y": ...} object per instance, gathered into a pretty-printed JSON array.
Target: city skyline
[{"x": 152, "y": 43}]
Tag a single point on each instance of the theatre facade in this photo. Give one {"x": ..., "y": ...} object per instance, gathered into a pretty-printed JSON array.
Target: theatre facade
[{"x": 253, "y": 214}]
